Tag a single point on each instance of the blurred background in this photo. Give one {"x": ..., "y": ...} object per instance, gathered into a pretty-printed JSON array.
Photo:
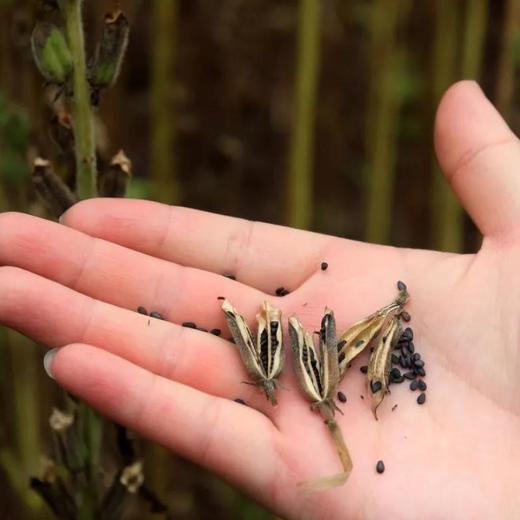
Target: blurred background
[{"x": 312, "y": 113}]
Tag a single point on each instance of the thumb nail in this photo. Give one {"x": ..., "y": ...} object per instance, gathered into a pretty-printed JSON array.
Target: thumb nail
[{"x": 48, "y": 360}]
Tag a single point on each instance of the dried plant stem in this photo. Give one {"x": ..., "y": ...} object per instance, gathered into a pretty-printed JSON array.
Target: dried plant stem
[
  {"x": 447, "y": 213},
  {"x": 166, "y": 187},
  {"x": 300, "y": 180},
  {"x": 82, "y": 111}
]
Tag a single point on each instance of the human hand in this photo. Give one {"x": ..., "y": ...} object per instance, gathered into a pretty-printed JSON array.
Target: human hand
[{"x": 77, "y": 287}]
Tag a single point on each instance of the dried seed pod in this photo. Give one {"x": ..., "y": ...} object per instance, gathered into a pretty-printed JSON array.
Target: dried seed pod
[
  {"x": 264, "y": 357},
  {"x": 380, "y": 364},
  {"x": 54, "y": 192},
  {"x": 110, "y": 51},
  {"x": 51, "y": 53},
  {"x": 318, "y": 377},
  {"x": 113, "y": 181}
]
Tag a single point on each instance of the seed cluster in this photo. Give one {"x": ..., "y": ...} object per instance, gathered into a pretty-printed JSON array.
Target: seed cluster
[
  {"x": 153, "y": 314},
  {"x": 281, "y": 291}
]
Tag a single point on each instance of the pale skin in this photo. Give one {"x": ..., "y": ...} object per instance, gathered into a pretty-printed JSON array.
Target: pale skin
[{"x": 77, "y": 285}]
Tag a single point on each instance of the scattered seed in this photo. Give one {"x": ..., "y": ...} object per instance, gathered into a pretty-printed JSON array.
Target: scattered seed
[
  {"x": 142, "y": 310},
  {"x": 395, "y": 359},
  {"x": 324, "y": 266},
  {"x": 230, "y": 276},
  {"x": 405, "y": 316},
  {"x": 422, "y": 385},
  {"x": 281, "y": 291},
  {"x": 409, "y": 375},
  {"x": 158, "y": 315},
  {"x": 411, "y": 347},
  {"x": 395, "y": 373},
  {"x": 419, "y": 363},
  {"x": 380, "y": 466},
  {"x": 414, "y": 385},
  {"x": 239, "y": 401},
  {"x": 215, "y": 332},
  {"x": 364, "y": 369},
  {"x": 221, "y": 297},
  {"x": 189, "y": 325},
  {"x": 375, "y": 386},
  {"x": 409, "y": 333},
  {"x": 421, "y": 399},
  {"x": 401, "y": 286},
  {"x": 394, "y": 407},
  {"x": 202, "y": 330},
  {"x": 342, "y": 397},
  {"x": 420, "y": 371}
]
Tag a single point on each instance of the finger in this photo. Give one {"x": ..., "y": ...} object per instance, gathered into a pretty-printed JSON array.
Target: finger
[
  {"x": 480, "y": 157},
  {"x": 225, "y": 437},
  {"x": 117, "y": 275},
  {"x": 261, "y": 255},
  {"x": 56, "y": 316}
]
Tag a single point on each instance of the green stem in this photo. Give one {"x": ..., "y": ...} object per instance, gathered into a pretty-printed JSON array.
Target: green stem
[
  {"x": 300, "y": 181},
  {"x": 83, "y": 121},
  {"x": 166, "y": 187}
]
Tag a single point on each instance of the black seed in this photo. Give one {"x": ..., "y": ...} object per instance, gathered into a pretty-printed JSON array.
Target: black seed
[
  {"x": 202, "y": 330},
  {"x": 341, "y": 357},
  {"x": 416, "y": 356},
  {"x": 401, "y": 286},
  {"x": 421, "y": 399},
  {"x": 422, "y": 385},
  {"x": 285, "y": 292},
  {"x": 341, "y": 343},
  {"x": 409, "y": 333},
  {"x": 364, "y": 369},
  {"x": 239, "y": 401},
  {"x": 230, "y": 276},
  {"x": 395, "y": 373},
  {"x": 405, "y": 350},
  {"x": 324, "y": 266},
  {"x": 375, "y": 386},
  {"x": 142, "y": 310},
  {"x": 342, "y": 397},
  {"x": 399, "y": 379},
  {"x": 394, "y": 407},
  {"x": 405, "y": 316},
  {"x": 189, "y": 325},
  {"x": 380, "y": 466},
  {"x": 349, "y": 365},
  {"x": 281, "y": 291},
  {"x": 362, "y": 396},
  {"x": 414, "y": 385},
  {"x": 420, "y": 371},
  {"x": 158, "y": 315},
  {"x": 395, "y": 359},
  {"x": 221, "y": 297},
  {"x": 409, "y": 375},
  {"x": 411, "y": 347},
  {"x": 359, "y": 343},
  {"x": 419, "y": 363},
  {"x": 215, "y": 332}
]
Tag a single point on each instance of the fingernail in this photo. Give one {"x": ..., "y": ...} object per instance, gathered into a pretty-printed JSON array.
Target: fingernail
[{"x": 48, "y": 360}]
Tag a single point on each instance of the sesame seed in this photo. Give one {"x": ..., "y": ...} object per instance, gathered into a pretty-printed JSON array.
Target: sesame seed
[
  {"x": 364, "y": 369},
  {"x": 341, "y": 344},
  {"x": 411, "y": 347},
  {"x": 394, "y": 407},
  {"x": 401, "y": 286},
  {"x": 419, "y": 363},
  {"x": 142, "y": 310},
  {"x": 395, "y": 359},
  {"x": 221, "y": 297},
  {"x": 324, "y": 266},
  {"x": 409, "y": 333},
  {"x": 375, "y": 386},
  {"x": 189, "y": 325},
  {"x": 158, "y": 315},
  {"x": 409, "y": 375},
  {"x": 420, "y": 371},
  {"x": 422, "y": 385},
  {"x": 215, "y": 332},
  {"x": 239, "y": 401},
  {"x": 380, "y": 466},
  {"x": 414, "y": 385},
  {"x": 421, "y": 399},
  {"x": 405, "y": 316},
  {"x": 342, "y": 397},
  {"x": 230, "y": 276}
]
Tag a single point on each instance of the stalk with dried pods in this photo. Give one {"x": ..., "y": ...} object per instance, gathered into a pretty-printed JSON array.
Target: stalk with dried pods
[
  {"x": 318, "y": 376},
  {"x": 264, "y": 357}
]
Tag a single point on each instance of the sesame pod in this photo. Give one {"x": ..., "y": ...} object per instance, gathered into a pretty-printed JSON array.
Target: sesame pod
[
  {"x": 380, "y": 363},
  {"x": 51, "y": 53},
  {"x": 54, "y": 192},
  {"x": 110, "y": 51},
  {"x": 113, "y": 181}
]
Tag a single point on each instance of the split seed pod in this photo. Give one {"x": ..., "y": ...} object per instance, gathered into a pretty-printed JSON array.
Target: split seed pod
[
  {"x": 264, "y": 357},
  {"x": 318, "y": 377},
  {"x": 357, "y": 337},
  {"x": 380, "y": 363},
  {"x": 51, "y": 53}
]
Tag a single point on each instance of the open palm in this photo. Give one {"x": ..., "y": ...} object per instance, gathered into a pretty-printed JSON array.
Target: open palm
[{"x": 454, "y": 457}]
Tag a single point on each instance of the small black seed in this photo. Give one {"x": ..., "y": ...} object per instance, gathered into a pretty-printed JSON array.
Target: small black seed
[
  {"x": 324, "y": 266},
  {"x": 416, "y": 356},
  {"x": 409, "y": 333},
  {"x": 411, "y": 347},
  {"x": 395, "y": 373},
  {"x": 230, "y": 276},
  {"x": 375, "y": 386},
  {"x": 419, "y": 363},
  {"x": 215, "y": 332},
  {"x": 380, "y": 466},
  {"x": 414, "y": 385},
  {"x": 142, "y": 310},
  {"x": 341, "y": 343},
  {"x": 409, "y": 375},
  {"x": 421, "y": 399},
  {"x": 349, "y": 365},
  {"x": 239, "y": 401},
  {"x": 401, "y": 286},
  {"x": 405, "y": 316},
  {"x": 362, "y": 396},
  {"x": 189, "y": 325},
  {"x": 399, "y": 379},
  {"x": 420, "y": 371},
  {"x": 394, "y": 407},
  {"x": 359, "y": 343},
  {"x": 281, "y": 291},
  {"x": 342, "y": 397},
  {"x": 402, "y": 362},
  {"x": 364, "y": 369},
  {"x": 158, "y": 315},
  {"x": 202, "y": 330},
  {"x": 405, "y": 350},
  {"x": 341, "y": 357},
  {"x": 422, "y": 385},
  {"x": 221, "y": 297},
  {"x": 395, "y": 359}
]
